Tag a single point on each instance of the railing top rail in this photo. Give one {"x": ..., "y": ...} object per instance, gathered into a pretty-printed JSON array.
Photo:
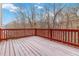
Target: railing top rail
[
  {"x": 65, "y": 29},
  {"x": 20, "y": 29},
  {"x": 44, "y": 29}
]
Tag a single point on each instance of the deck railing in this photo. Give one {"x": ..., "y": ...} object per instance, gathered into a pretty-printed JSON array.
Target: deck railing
[
  {"x": 69, "y": 36},
  {"x": 15, "y": 33}
]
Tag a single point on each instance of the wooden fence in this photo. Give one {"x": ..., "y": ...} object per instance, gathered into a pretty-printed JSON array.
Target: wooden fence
[{"x": 69, "y": 36}]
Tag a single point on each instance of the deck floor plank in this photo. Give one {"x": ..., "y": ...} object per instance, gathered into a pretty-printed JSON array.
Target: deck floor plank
[
  {"x": 27, "y": 49},
  {"x": 31, "y": 49},
  {"x": 25, "y": 52},
  {"x": 3, "y": 50},
  {"x": 7, "y": 50},
  {"x": 35, "y": 46},
  {"x": 1, "y": 44},
  {"x": 45, "y": 49},
  {"x": 61, "y": 48},
  {"x": 19, "y": 48},
  {"x": 15, "y": 48},
  {"x": 12, "y": 52},
  {"x": 39, "y": 48}
]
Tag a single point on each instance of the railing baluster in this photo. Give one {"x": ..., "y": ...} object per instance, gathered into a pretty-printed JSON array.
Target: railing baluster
[
  {"x": 63, "y": 36},
  {"x": 35, "y": 32},
  {"x": 3, "y": 34},
  {"x": 50, "y": 34},
  {"x": 74, "y": 37},
  {"x": 0, "y": 34},
  {"x": 68, "y": 36},
  {"x": 71, "y": 36},
  {"x": 78, "y": 37}
]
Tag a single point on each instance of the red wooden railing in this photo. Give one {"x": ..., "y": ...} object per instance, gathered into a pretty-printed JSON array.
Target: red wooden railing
[
  {"x": 16, "y": 33},
  {"x": 69, "y": 36}
]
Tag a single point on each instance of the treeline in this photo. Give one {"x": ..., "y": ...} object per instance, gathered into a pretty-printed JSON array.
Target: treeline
[{"x": 50, "y": 16}]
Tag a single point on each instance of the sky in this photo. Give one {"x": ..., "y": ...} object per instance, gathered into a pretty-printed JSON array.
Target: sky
[{"x": 9, "y": 10}]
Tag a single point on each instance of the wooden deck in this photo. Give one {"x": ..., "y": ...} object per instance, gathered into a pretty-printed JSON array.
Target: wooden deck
[{"x": 35, "y": 46}]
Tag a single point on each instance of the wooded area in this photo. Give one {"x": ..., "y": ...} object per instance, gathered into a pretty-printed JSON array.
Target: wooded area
[{"x": 54, "y": 15}]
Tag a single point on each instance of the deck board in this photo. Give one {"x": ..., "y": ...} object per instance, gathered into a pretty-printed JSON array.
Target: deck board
[
  {"x": 19, "y": 48},
  {"x": 11, "y": 47},
  {"x": 27, "y": 48},
  {"x": 16, "y": 51},
  {"x": 7, "y": 48},
  {"x": 3, "y": 48},
  {"x": 35, "y": 46},
  {"x": 1, "y": 44}
]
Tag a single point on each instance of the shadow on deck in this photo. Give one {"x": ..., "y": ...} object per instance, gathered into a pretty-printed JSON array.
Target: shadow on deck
[{"x": 35, "y": 46}]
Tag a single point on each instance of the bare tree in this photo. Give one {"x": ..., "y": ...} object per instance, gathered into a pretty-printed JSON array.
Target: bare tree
[
  {"x": 29, "y": 19},
  {"x": 20, "y": 16},
  {"x": 71, "y": 14},
  {"x": 33, "y": 16},
  {"x": 56, "y": 11},
  {"x": 47, "y": 11}
]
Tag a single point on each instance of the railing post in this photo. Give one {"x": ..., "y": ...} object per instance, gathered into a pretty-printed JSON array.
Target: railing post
[
  {"x": 50, "y": 34},
  {"x": 0, "y": 34},
  {"x": 35, "y": 32},
  {"x": 78, "y": 37}
]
